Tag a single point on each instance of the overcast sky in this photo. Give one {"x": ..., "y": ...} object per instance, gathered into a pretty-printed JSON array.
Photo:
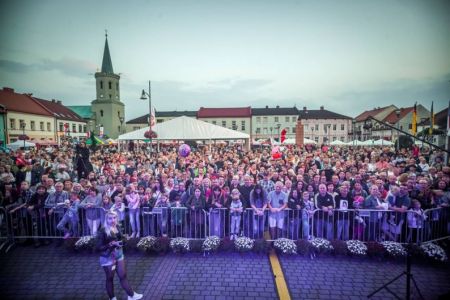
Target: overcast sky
[{"x": 349, "y": 56}]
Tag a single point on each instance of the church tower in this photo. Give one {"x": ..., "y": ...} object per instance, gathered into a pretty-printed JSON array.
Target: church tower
[{"x": 108, "y": 111}]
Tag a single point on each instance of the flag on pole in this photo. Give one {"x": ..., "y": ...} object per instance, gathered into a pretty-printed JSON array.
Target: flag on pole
[
  {"x": 414, "y": 120},
  {"x": 430, "y": 131},
  {"x": 152, "y": 119}
]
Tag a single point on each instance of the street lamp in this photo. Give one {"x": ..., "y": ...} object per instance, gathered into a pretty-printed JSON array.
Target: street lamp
[
  {"x": 278, "y": 127},
  {"x": 144, "y": 97},
  {"x": 121, "y": 119},
  {"x": 353, "y": 126},
  {"x": 397, "y": 113},
  {"x": 271, "y": 135},
  {"x": 22, "y": 126}
]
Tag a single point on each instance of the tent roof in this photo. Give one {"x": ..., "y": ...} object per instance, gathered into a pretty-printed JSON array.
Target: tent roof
[{"x": 186, "y": 128}]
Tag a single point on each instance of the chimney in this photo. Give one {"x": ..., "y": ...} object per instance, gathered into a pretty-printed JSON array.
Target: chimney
[
  {"x": 267, "y": 106},
  {"x": 58, "y": 101},
  {"x": 321, "y": 108},
  {"x": 53, "y": 101},
  {"x": 8, "y": 89},
  {"x": 304, "y": 108},
  {"x": 278, "y": 106}
]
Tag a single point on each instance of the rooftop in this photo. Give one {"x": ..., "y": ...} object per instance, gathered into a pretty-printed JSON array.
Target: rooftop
[{"x": 226, "y": 112}]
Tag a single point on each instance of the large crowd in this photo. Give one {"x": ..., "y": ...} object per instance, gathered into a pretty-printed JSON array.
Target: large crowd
[{"x": 366, "y": 193}]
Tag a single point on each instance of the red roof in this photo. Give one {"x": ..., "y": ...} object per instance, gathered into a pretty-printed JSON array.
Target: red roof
[
  {"x": 392, "y": 117},
  {"x": 226, "y": 112},
  {"x": 58, "y": 110},
  {"x": 21, "y": 103},
  {"x": 369, "y": 113}
]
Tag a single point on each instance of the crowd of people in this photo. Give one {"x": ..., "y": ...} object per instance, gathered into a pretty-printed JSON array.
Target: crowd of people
[{"x": 366, "y": 193}]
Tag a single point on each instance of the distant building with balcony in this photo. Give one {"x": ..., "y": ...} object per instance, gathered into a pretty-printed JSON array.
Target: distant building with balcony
[
  {"x": 324, "y": 126},
  {"x": 269, "y": 122},
  {"x": 363, "y": 133}
]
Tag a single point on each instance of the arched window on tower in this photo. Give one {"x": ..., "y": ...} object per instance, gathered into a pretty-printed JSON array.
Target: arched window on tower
[
  {"x": 101, "y": 85},
  {"x": 110, "y": 85},
  {"x": 101, "y": 113}
]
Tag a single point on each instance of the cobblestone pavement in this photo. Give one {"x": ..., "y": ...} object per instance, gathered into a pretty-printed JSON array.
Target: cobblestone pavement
[
  {"x": 54, "y": 273},
  {"x": 353, "y": 278}
]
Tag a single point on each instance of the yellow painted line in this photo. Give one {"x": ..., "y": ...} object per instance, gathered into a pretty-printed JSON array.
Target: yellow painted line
[{"x": 280, "y": 282}]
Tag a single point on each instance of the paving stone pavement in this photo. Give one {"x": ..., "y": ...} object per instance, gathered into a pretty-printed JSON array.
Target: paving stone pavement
[
  {"x": 54, "y": 273},
  {"x": 354, "y": 278}
]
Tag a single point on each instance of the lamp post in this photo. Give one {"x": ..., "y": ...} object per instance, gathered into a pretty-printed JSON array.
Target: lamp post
[
  {"x": 397, "y": 113},
  {"x": 22, "y": 126},
  {"x": 278, "y": 127},
  {"x": 271, "y": 135},
  {"x": 353, "y": 126},
  {"x": 121, "y": 119},
  {"x": 144, "y": 97}
]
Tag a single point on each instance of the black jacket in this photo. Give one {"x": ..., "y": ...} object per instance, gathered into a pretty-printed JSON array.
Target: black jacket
[{"x": 103, "y": 241}]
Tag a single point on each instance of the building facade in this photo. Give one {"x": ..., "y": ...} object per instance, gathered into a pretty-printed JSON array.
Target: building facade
[
  {"x": 160, "y": 116},
  {"x": 324, "y": 126},
  {"x": 237, "y": 118},
  {"x": 363, "y": 133},
  {"x": 267, "y": 123}
]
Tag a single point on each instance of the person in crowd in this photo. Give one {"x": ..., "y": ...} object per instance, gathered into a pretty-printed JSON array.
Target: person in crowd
[
  {"x": 277, "y": 202},
  {"x": 235, "y": 213},
  {"x": 344, "y": 213},
  {"x": 307, "y": 210},
  {"x": 197, "y": 204},
  {"x": 324, "y": 217},
  {"x": 416, "y": 218},
  {"x": 133, "y": 202},
  {"x": 110, "y": 244},
  {"x": 70, "y": 216},
  {"x": 293, "y": 214},
  {"x": 91, "y": 205},
  {"x": 258, "y": 202}
]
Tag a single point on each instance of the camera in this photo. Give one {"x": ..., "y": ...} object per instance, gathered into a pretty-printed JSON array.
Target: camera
[{"x": 119, "y": 244}]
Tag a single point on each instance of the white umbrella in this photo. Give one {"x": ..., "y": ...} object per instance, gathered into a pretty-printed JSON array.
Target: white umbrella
[
  {"x": 18, "y": 144},
  {"x": 382, "y": 142},
  {"x": 355, "y": 143},
  {"x": 367, "y": 143},
  {"x": 289, "y": 141},
  {"x": 308, "y": 141},
  {"x": 337, "y": 143}
]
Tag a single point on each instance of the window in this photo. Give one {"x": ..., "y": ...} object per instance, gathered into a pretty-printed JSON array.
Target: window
[
  {"x": 84, "y": 128},
  {"x": 276, "y": 119},
  {"x": 233, "y": 125},
  {"x": 80, "y": 128},
  {"x": 110, "y": 85},
  {"x": 317, "y": 127},
  {"x": 33, "y": 125},
  {"x": 224, "y": 123},
  {"x": 101, "y": 112},
  {"x": 306, "y": 127},
  {"x": 214, "y": 122},
  {"x": 22, "y": 124},
  {"x": 101, "y": 85},
  {"x": 294, "y": 119},
  {"x": 410, "y": 126},
  {"x": 136, "y": 127},
  {"x": 293, "y": 129},
  {"x": 118, "y": 128},
  {"x": 401, "y": 127},
  {"x": 342, "y": 126},
  {"x": 334, "y": 126},
  {"x": 61, "y": 126},
  {"x": 258, "y": 119},
  {"x": 41, "y": 126},
  {"x": 49, "y": 126},
  {"x": 242, "y": 125},
  {"x": 316, "y": 139},
  {"x": 258, "y": 130},
  {"x": 334, "y": 138},
  {"x": 74, "y": 128},
  {"x": 342, "y": 138},
  {"x": 264, "y": 119},
  {"x": 286, "y": 119},
  {"x": 12, "y": 123},
  {"x": 110, "y": 96}
]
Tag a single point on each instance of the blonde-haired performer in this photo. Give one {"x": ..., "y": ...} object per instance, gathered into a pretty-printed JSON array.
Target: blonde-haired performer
[{"x": 111, "y": 258}]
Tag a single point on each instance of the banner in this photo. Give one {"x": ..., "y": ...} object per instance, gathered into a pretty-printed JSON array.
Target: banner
[{"x": 414, "y": 120}]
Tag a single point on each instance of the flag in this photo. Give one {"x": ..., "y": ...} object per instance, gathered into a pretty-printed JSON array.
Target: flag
[
  {"x": 152, "y": 119},
  {"x": 430, "y": 131},
  {"x": 283, "y": 135},
  {"x": 414, "y": 120}
]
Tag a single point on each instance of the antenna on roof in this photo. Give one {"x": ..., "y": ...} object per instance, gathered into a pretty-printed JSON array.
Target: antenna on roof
[{"x": 106, "y": 33}]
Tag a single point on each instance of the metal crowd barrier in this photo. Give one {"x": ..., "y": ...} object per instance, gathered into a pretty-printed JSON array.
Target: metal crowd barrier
[{"x": 360, "y": 224}]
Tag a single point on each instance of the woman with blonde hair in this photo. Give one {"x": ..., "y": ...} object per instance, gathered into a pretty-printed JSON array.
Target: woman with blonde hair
[{"x": 110, "y": 243}]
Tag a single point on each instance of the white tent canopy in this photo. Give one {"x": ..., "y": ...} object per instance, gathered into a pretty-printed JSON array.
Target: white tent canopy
[
  {"x": 337, "y": 143},
  {"x": 18, "y": 144},
  {"x": 382, "y": 142},
  {"x": 355, "y": 143},
  {"x": 186, "y": 128}
]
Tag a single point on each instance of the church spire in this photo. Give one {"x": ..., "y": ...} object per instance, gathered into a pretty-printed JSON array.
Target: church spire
[{"x": 107, "y": 64}]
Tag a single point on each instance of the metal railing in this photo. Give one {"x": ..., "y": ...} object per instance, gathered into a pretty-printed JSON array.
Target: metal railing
[{"x": 361, "y": 224}]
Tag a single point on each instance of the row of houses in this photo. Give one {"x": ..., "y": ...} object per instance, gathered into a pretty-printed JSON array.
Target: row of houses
[
  {"x": 43, "y": 121},
  {"x": 320, "y": 125}
]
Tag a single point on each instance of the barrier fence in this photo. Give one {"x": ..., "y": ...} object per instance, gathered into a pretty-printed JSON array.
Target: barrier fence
[{"x": 365, "y": 225}]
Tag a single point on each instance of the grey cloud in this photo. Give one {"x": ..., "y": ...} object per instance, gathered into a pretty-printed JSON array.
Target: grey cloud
[{"x": 13, "y": 66}]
